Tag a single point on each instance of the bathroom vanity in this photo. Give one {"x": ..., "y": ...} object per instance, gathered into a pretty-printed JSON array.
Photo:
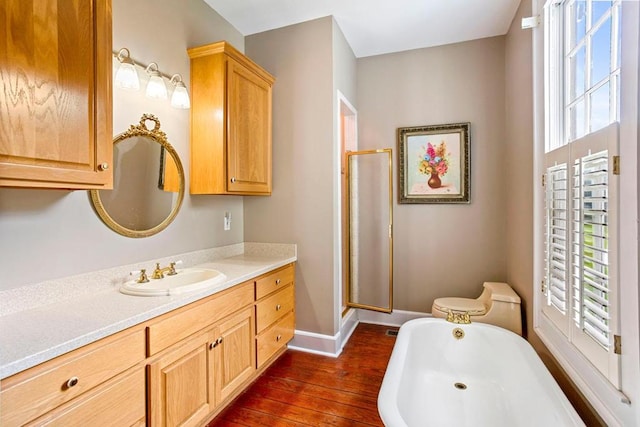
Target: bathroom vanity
[{"x": 181, "y": 367}]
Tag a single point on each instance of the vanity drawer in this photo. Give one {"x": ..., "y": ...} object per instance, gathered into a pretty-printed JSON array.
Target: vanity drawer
[
  {"x": 174, "y": 327},
  {"x": 275, "y": 338},
  {"x": 34, "y": 392},
  {"x": 275, "y": 281},
  {"x": 119, "y": 402},
  {"x": 273, "y": 307}
]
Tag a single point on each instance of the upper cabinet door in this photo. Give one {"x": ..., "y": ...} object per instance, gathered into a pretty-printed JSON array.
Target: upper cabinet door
[
  {"x": 249, "y": 131},
  {"x": 55, "y": 94},
  {"x": 230, "y": 122}
]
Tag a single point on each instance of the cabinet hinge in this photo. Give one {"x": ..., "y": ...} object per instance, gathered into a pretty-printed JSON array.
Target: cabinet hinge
[
  {"x": 616, "y": 165},
  {"x": 543, "y": 286},
  {"x": 617, "y": 344},
  {"x": 544, "y": 179}
]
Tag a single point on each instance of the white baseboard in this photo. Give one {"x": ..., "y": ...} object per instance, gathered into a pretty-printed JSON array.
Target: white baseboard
[
  {"x": 327, "y": 345},
  {"x": 310, "y": 342},
  {"x": 349, "y": 323},
  {"x": 395, "y": 318}
]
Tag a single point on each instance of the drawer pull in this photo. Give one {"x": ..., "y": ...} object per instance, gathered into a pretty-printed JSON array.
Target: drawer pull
[
  {"x": 215, "y": 343},
  {"x": 278, "y": 307},
  {"x": 72, "y": 382},
  {"x": 278, "y": 338},
  {"x": 277, "y": 281}
]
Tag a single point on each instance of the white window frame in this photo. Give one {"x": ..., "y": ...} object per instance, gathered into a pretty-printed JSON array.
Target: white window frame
[{"x": 617, "y": 406}]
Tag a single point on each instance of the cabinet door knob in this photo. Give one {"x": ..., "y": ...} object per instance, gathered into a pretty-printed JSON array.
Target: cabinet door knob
[
  {"x": 278, "y": 338},
  {"x": 233, "y": 179},
  {"x": 103, "y": 166},
  {"x": 277, "y": 281},
  {"x": 72, "y": 382},
  {"x": 220, "y": 340},
  {"x": 278, "y": 307}
]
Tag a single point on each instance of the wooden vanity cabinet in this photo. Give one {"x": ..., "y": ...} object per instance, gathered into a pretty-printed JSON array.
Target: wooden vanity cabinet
[
  {"x": 235, "y": 354},
  {"x": 87, "y": 383},
  {"x": 189, "y": 382},
  {"x": 178, "y": 369},
  {"x": 181, "y": 383},
  {"x": 56, "y": 111},
  {"x": 231, "y": 119},
  {"x": 192, "y": 377},
  {"x": 275, "y": 318}
]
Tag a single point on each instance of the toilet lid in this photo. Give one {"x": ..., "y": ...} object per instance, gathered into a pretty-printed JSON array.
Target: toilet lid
[{"x": 472, "y": 306}]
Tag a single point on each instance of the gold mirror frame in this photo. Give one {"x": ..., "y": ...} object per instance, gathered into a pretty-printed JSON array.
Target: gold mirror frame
[{"x": 160, "y": 137}]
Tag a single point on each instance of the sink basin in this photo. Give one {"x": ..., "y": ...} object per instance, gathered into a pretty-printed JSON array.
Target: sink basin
[{"x": 187, "y": 280}]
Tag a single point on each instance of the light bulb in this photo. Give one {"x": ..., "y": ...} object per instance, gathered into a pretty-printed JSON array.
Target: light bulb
[
  {"x": 126, "y": 74},
  {"x": 156, "y": 87},
  {"x": 180, "y": 97}
]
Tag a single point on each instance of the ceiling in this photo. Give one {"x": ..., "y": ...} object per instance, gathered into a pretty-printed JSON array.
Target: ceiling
[{"x": 374, "y": 27}]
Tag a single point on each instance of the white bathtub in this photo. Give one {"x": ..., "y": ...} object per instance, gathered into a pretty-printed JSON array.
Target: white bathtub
[{"x": 506, "y": 382}]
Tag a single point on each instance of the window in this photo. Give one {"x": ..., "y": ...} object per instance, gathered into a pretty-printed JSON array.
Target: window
[{"x": 582, "y": 102}]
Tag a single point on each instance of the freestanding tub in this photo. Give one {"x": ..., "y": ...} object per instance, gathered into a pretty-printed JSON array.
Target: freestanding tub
[{"x": 488, "y": 377}]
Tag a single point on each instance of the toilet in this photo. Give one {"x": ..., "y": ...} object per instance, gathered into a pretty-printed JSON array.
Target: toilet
[{"x": 497, "y": 305}]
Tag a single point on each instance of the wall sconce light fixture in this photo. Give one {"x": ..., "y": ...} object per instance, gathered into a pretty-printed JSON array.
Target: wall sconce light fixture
[
  {"x": 180, "y": 97},
  {"x": 126, "y": 75},
  {"x": 156, "y": 87},
  {"x": 127, "y": 78}
]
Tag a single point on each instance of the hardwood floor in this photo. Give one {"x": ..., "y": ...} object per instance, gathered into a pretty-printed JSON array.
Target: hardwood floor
[{"x": 302, "y": 389}]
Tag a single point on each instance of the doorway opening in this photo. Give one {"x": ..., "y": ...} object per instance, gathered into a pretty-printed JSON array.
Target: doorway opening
[{"x": 348, "y": 133}]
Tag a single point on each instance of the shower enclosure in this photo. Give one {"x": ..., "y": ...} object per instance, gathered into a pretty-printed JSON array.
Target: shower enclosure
[{"x": 370, "y": 230}]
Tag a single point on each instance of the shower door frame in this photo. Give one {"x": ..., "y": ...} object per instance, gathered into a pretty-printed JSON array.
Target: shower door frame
[{"x": 349, "y": 303}]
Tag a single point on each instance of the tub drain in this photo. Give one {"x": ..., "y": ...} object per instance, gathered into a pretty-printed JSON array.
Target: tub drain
[{"x": 460, "y": 386}]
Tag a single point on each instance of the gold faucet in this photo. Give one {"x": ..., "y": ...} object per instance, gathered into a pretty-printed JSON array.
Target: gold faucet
[
  {"x": 158, "y": 273},
  {"x": 459, "y": 317},
  {"x": 143, "y": 276}
]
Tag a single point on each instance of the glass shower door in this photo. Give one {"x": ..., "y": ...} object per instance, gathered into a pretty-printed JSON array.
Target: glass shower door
[{"x": 370, "y": 230}]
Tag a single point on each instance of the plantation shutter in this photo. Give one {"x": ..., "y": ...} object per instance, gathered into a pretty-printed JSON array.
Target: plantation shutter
[
  {"x": 580, "y": 246},
  {"x": 557, "y": 193},
  {"x": 594, "y": 249},
  {"x": 590, "y": 247}
]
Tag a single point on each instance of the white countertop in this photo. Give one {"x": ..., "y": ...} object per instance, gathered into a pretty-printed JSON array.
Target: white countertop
[{"x": 38, "y": 334}]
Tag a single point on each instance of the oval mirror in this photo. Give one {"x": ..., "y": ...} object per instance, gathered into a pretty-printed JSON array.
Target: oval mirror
[{"x": 148, "y": 182}]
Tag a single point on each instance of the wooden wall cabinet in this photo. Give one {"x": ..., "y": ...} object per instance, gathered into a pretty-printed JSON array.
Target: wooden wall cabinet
[
  {"x": 56, "y": 107},
  {"x": 230, "y": 122}
]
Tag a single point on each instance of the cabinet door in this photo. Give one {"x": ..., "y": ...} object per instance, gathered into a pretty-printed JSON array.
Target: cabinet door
[
  {"x": 181, "y": 388},
  {"x": 249, "y": 131},
  {"x": 55, "y": 109},
  {"x": 236, "y": 360}
]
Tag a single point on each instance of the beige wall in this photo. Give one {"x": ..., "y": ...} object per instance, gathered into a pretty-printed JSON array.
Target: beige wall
[
  {"x": 519, "y": 191},
  {"x": 300, "y": 209},
  {"x": 442, "y": 249},
  {"x": 518, "y": 164},
  {"x": 48, "y": 234}
]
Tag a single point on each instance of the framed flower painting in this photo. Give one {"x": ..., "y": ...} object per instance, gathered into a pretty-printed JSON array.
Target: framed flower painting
[{"x": 433, "y": 164}]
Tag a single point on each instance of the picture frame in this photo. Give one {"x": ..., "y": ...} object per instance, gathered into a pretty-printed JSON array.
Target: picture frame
[{"x": 434, "y": 164}]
